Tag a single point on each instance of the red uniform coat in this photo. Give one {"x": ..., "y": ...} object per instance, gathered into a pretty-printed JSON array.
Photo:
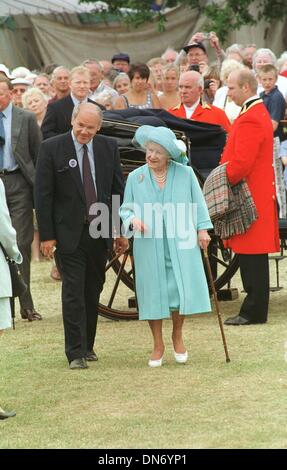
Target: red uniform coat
[
  {"x": 249, "y": 153},
  {"x": 204, "y": 113}
]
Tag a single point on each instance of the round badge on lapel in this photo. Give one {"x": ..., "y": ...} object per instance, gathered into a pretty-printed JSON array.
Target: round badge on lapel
[{"x": 73, "y": 163}]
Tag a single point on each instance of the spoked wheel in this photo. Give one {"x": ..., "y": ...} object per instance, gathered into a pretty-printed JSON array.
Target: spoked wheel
[
  {"x": 224, "y": 263},
  {"x": 118, "y": 301}
]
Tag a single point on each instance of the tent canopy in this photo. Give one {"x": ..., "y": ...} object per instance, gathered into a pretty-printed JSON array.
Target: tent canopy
[
  {"x": 35, "y": 33},
  {"x": 36, "y": 7}
]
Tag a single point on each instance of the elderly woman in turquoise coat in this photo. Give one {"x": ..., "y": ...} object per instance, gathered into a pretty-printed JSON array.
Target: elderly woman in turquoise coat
[
  {"x": 8, "y": 240},
  {"x": 164, "y": 209}
]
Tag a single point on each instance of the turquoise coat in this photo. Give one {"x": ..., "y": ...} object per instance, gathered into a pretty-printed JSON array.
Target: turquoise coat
[{"x": 180, "y": 208}]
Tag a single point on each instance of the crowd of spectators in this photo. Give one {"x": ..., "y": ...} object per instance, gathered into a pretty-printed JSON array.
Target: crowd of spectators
[{"x": 188, "y": 83}]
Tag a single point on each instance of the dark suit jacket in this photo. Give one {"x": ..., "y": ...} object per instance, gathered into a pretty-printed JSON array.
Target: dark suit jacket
[
  {"x": 58, "y": 117},
  {"x": 25, "y": 140},
  {"x": 59, "y": 192}
]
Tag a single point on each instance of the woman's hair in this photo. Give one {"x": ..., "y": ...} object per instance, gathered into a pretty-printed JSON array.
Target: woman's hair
[
  {"x": 106, "y": 98},
  {"x": 212, "y": 71},
  {"x": 168, "y": 51},
  {"x": 33, "y": 92},
  {"x": 156, "y": 60},
  {"x": 235, "y": 49},
  {"x": 282, "y": 60},
  {"x": 141, "y": 69},
  {"x": 165, "y": 151},
  {"x": 119, "y": 77},
  {"x": 263, "y": 51},
  {"x": 228, "y": 66},
  {"x": 152, "y": 81},
  {"x": 168, "y": 68}
]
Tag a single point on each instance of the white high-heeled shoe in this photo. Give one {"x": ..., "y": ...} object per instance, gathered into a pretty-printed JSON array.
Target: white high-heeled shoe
[
  {"x": 155, "y": 362},
  {"x": 180, "y": 358}
]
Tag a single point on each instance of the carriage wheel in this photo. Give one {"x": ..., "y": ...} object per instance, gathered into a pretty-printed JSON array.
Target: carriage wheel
[
  {"x": 120, "y": 273},
  {"x": 224, "y": 262}
]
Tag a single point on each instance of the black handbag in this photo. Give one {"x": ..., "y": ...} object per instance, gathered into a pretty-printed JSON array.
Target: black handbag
[{"x": 18, "y": 284}]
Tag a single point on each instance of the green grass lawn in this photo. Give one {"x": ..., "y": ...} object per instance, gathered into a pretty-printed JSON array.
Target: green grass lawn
[{"x": 121, "y": 403}]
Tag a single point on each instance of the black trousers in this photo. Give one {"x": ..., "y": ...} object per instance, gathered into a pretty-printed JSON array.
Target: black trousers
[
  {"x": 19, "y": 197},
  {"x": 254, "y": 270},
  {"x": 83, "y": 277}
]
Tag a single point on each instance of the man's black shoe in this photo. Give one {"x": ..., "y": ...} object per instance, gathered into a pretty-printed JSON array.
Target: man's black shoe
[
  {"x": 79, "y": 363},
  {"x": 91, "y": 356},
  {"x": 237, "y": 320},
  {"x": 30, "y": 314}
]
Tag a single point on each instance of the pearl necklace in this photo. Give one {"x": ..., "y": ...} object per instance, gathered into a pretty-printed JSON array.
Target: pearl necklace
[{"x": 160, "y": 179}]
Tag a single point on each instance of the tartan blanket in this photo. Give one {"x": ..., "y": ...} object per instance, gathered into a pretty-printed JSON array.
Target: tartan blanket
[{"x": 231, "y": 208}]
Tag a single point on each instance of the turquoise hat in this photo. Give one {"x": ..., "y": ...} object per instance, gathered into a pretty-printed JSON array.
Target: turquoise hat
[{"x": 164, "y": 137}]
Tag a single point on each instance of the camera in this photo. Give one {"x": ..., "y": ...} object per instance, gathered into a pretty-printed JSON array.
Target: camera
[
  {"x": 206, "y": 36},
  {"x": 207, "y": 83}
]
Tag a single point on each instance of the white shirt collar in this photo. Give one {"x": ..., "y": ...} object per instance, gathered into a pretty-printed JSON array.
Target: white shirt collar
[
  {"x": 189, "y": 110},
  {"x": 76, "y": 101}
]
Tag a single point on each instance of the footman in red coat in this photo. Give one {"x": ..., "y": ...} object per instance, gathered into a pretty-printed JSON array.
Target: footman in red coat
[
  {"x": 249, "y": 153},
  {"x": 191, "y": 106}
]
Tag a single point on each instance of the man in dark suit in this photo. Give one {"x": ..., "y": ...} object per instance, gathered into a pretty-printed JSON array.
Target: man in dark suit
[
  {"x": 20, "y": 139},
  {"x": 58, "y": 116},
  {"x": 75, "y": 171}
]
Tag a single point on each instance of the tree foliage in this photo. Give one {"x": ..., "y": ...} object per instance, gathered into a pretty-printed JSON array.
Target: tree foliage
[
  {"x": 236, "y": 13},
  {"x": 222, "y": 17}
]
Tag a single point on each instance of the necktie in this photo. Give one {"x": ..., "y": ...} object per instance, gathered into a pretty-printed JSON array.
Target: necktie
[
  {"x": 88, "y": 182},
  {"x": 2, "y": 141}
]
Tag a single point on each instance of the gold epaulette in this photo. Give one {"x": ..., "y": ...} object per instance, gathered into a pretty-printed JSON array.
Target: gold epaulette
[
  {"x": 176, "y": 107},
  {"x": 205, "y": 105}
]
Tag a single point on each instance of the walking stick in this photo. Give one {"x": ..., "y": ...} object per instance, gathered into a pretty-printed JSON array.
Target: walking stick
[
  {"x": 216, "y": 304},
  {"x": 12, "y": 305}
]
